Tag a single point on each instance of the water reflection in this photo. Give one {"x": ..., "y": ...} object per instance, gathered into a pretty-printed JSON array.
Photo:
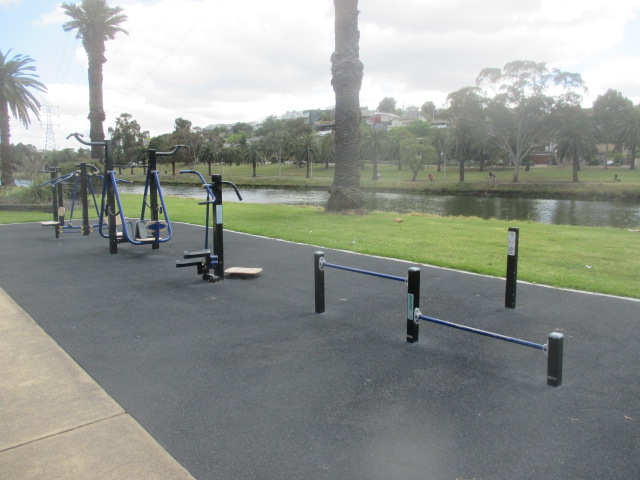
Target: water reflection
[{"x": 566, "y": 212}]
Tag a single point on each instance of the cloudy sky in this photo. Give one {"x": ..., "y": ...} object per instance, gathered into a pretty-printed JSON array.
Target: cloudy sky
[{"x": 224, "y": 61}]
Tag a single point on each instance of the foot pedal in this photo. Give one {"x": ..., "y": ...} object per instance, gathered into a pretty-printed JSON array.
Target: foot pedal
[
  {"x": 141, "y": 231},
  {"x": 189, "y": 262},
  {"x": 197, "y": 254},
  {"x": 211, "y": 278}
]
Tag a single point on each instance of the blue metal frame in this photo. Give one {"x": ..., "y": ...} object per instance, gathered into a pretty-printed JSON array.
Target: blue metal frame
[
  {"x": 76, "y": 179},
  {"x": 365, "y": 272},
  {"x": 497, "y": 336},
  {"x": 111, "y": 178}
]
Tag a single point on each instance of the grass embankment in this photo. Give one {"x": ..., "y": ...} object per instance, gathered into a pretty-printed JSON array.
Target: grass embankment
[
  {"x": 539, "y": 182},
  {"x": 601, "y": 260}
]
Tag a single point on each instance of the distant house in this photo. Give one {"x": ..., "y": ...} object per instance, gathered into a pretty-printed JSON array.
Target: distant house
[
  {"x": 292, "y": 115},
  {"x": 324, "y": 127},
  {"x": 541, "y": 158},
  {"x": 318, "y": 115},
  {"x": 381, "y": 118},
  {"x": 439, "y": 123}
]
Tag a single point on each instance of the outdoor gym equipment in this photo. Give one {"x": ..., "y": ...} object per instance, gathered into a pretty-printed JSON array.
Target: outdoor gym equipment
[
  {"x": 144, "y": 233},
  {"x": 82, "y": 181},
  {"x": 553, "y": 349},
  {"x": 204, "y": 260}
]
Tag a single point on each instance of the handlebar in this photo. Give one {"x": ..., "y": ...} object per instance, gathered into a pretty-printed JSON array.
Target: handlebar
[
  {"x": 208, "y": 185},
  {"x": 173, "y": 150},
  {"x": 90, "y": 144},
  {"x": 60, "y": 179},
  {"x": 92, "y": 167},
  {"x": 197, "y": 173},
  {"x": 236, "y": 189}
]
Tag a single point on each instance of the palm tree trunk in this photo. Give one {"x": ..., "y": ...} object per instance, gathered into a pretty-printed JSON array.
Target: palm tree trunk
[
  {"x": 576, "y": 167},
  {"x": 5, "y": 142},
  {"x": 96, "y": 105},
  {"x": 347, "y": 72}
]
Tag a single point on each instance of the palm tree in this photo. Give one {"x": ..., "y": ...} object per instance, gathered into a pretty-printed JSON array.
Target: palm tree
[
  {"x": 461, "y": 142},
  {"x": 307, "y": 150},
  {"x": 630, "y": 133},
  {"x": 15, "y": 82},
  {"x": 347, "y": 72},
  {"x": 207, "y": 154},
  {"x": 95, "y": 22},
  {"x": 576, "y": 137},
  {"x": 328, "y": 149},
  {"x": 376, "y": 144},
  {"x": 252, "y": 154}
]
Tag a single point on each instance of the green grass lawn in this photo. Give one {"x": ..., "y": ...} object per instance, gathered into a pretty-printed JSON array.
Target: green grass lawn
[{"x": 604, "y": 260}]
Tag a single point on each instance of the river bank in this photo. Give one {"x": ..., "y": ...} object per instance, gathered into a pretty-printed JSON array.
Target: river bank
[{"x": 596, "y": 183}]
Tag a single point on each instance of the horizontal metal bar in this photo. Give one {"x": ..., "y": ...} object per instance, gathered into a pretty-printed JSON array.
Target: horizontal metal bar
[
  {"x": 365, "y": 272},
  {"x": 537, "y": 346}
]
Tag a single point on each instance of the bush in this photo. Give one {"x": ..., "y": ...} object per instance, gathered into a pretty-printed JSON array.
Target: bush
[{"x": 36, "y": 193}]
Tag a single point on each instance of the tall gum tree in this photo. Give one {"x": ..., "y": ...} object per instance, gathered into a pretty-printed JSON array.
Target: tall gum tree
[
  {"x": 347, "y": 72},
  {"x": 524, "y": 95},
  {"x": 95, "y": 22},
  {"x": 16, "y": 80}
]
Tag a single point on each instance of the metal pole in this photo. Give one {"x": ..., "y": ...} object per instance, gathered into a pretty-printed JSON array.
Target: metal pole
[
  {"x": 218, "y": 245},
  {"x": 85, "y": 199},
  {"x": 111, "y": 197},
  {"x": 413, "y": 302},
  {"x": 318, "y": 275},
  {"x": 554, "y": 359},
  {"x": 54, "y": 201},
  {"x": 512, "y": 268},
  {"x": 60, "y": 193},
  {"x": 153, "y": 194}
]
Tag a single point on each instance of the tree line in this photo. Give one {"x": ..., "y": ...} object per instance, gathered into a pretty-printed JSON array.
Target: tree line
[{"x": 508, "y": 114}]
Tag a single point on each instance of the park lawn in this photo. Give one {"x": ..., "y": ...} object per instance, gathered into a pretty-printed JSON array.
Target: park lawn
[{"x": 595, "y": 259}]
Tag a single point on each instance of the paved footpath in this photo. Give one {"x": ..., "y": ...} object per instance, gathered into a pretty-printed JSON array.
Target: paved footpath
[{"x": 123, "y": 366}]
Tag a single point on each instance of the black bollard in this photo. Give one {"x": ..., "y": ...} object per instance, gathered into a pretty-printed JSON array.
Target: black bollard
[
  {"x": 554, "y": 359},
  {"x": 512, "y": 268},
  {"x": 318, "y": 275},
  {"x": 413, "y": 302}
]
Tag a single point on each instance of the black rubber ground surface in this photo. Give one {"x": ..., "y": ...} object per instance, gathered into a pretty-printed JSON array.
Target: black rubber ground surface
[{"x": 242, "y": 380}]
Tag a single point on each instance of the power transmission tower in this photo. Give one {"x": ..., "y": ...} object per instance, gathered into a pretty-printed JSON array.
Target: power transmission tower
[{"x": 50, "y": 139}]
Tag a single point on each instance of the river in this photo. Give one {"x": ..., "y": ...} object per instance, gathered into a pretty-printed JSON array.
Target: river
[{"x": 557, "y": 212}]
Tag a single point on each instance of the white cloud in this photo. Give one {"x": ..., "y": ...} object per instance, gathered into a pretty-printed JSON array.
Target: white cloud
[
  {"x": 54, "y": 17},
  {"x": 223, "y": 61}
]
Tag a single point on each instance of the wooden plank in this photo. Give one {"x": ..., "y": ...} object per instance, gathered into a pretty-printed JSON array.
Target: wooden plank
[{"x": 242, "y": 272}]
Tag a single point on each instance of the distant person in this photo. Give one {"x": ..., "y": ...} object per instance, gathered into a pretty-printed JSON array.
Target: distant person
[{"x": 615, "y": 177}]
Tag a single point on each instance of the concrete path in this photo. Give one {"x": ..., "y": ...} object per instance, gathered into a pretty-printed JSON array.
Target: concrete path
[{"x": 57, "y": 423}]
